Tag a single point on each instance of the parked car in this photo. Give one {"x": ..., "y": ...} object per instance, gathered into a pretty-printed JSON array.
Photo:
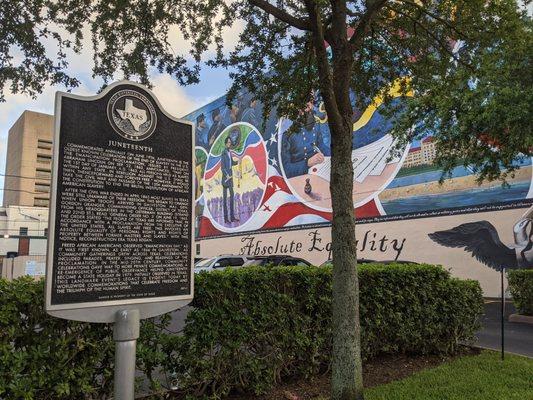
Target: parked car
[
  {"x": 367, "y": 261},
  {"x": 396, "y": 262},
  {"x": 276, "y": 260},
  {"x": 219, "y": 262}
]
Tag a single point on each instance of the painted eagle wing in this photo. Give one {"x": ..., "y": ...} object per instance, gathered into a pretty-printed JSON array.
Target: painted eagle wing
[{"x": 481, "y": 240}]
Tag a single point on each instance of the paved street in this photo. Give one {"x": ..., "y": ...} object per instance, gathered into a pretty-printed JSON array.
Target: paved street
[
  {"x": 178, "y": 319},
  {"x": 518, "y": 336}
]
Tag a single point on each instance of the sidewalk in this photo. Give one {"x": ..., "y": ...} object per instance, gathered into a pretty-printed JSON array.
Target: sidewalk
[{"x": 518, "y": 336}]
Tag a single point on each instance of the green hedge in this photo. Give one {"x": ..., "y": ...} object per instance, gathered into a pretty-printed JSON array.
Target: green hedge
[
  {"x": 249, "y": 329},
  {"x": 521, "y": 285},
  {"x": 49, "y": 358}
]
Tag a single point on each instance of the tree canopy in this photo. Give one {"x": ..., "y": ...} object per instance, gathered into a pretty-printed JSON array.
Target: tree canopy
[{"x": 469, "y": 62}]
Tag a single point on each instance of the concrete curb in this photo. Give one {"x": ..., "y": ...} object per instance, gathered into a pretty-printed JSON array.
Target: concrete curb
[
  {"x": 498, "y": 350},
  {"x": 523, "y": 319}
]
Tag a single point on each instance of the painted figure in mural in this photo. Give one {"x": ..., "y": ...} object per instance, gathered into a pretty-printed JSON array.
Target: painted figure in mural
[
  {"x": 217, "y": 127},
  {"x": 231, "y": 114},
  {"x": 482, "y": 240},
  {"x": 202, "y": 131},
  {"x": 235, "y": 136},
  {"x": 227, "y": 182},
  {"x": 304, "y": 149},
  {"x": 249, "y": 114}
]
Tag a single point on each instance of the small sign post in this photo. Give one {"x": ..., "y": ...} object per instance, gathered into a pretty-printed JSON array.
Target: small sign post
[
  {"x": 502, "y": 322},
  {"x": 121, "y": 215}
]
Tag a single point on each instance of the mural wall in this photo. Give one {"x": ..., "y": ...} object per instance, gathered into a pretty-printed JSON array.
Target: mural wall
[
  {"x": 253, "y": 183},
  {"x": 472, "y": 251},
  {"x": 250, "y": 179}
]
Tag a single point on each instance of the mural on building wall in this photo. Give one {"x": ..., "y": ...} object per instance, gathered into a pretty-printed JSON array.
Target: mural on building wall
[
  {"x": 251, "y": 179},
  {"x": 482, "y": 241},
  {"x": 235, "y": 176},
  {"x": 305, "y": 157}
]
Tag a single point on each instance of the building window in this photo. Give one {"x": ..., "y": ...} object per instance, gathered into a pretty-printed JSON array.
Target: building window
[
  {"x": 44, "y": 144},
  {"x": 40, "y": 202},
  {"x": 44, "y": 159},
  {"x": 23, "y": 231},
  {"x": 45, "y": 232},
  {"x": 42, "y": 188},
  {"x": 42, "y": 173}
]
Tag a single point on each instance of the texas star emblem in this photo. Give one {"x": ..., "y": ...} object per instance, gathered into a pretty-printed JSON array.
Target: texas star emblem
[
  {"x": 131, "y": 114},
  {"x": 136, "y": 116}
]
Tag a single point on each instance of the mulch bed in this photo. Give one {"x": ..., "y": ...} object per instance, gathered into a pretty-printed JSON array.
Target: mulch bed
[{"x": 376, "y": 372}]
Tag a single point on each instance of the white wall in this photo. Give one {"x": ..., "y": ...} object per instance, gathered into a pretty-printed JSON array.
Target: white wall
[
  {"x": 38, "y": 246},
  {"x": 13, "y": 268},
  {"x": 404, "y": 240},
  {"x": 11, "y": 244}
]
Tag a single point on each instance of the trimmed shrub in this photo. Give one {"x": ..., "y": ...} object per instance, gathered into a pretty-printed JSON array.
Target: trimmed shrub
[
  {"x": 521, "y": 285},
  {"x": 42, "y": 357},
  {"x": 248, "y": 330},
  {"x": 418, "y": 309},
  {"x": 252, "y": 327}
]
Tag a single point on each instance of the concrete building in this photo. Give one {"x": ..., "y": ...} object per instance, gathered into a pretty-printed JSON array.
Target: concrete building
[
  {"x": 23, "y": 221},
  {"x": 29, "y": 161},
  {"x": 23, "y": 232},
  {"x": 413, "y": 157},
  {"x": 424, "y": 154},
  {"x": 24, "y": 215}
]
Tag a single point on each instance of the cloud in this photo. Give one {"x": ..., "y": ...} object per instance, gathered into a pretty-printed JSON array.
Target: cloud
[
  {"x": 16, "y": 103},
  {"x": 172, "y": 96},
  {"x": 176, "y": 100},
  {"x": 230, "y": 36}
]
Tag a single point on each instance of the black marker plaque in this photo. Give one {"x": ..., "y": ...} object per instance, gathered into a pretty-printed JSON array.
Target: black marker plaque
[{"x": 121, "y": 217}]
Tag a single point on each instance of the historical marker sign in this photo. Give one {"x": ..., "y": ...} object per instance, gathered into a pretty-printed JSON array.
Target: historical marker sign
[{"x": 121, "y": 225}]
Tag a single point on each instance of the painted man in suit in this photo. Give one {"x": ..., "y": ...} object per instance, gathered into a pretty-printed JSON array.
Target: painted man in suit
[
  {"x": 227, "y": 182},
  {"x": 249, "y": 114},
  {"x": 304, "y": 149}
]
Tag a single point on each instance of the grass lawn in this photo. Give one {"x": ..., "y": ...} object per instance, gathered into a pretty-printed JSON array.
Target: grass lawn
[{"x": 481, "y": 377}]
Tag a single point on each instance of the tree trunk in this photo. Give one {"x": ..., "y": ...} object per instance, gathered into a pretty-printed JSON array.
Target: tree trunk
[{"x": 347, "y": 378}]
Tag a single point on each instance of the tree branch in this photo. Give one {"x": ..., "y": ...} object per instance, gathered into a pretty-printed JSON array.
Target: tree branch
[
  {"x": 428, "y": 32},
  {"x": 435, "y": 17},
  {"x": 363, "y": 26},
  {"x": 399, "y": 51},
  {"x": 282, "y": 15},
  {"x": 324, "y": 70}
]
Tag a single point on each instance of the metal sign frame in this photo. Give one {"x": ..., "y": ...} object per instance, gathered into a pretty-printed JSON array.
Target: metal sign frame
[{"x": 105, "y": 311}]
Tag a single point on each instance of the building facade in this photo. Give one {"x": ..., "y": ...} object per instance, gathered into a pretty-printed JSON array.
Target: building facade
[
  {"x": 29, "y": 161},
  {"x": 23, "y": 221},
  {"x": 421, "y": 155}
]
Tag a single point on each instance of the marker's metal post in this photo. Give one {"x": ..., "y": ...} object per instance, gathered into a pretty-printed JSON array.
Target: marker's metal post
[
  {"x": 502, "y": 322},
  {"x": 125, "y": 334}
]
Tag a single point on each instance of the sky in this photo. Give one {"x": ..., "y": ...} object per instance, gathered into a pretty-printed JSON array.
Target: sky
[{"x": 177, "y": 100}]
